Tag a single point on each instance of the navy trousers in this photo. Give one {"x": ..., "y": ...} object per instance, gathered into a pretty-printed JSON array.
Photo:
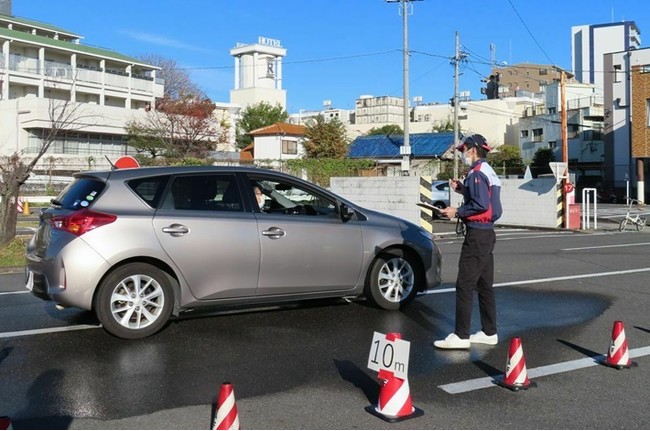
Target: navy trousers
[{"x": 476, "y": 272}]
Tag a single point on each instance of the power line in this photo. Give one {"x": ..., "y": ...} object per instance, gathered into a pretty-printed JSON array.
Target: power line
[{"x": 529, "y": 32}]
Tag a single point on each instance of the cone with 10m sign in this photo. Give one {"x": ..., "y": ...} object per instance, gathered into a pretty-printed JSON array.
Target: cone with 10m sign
[
  {"x": 516, "y": 375},
  {"x": 394, "y": 403}
]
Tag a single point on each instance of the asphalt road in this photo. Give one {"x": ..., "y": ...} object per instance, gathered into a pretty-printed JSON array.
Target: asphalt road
[{"x": 305, "y": 366}]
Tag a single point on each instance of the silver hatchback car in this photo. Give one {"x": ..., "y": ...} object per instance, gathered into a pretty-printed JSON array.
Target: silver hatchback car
[{"x": 138, "y": 245}]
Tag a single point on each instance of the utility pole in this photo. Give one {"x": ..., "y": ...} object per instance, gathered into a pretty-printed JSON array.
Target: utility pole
[
  {"x": 405, "y": 150},
  {"x": 565, "y": 148},
  {"x": 458, "y": 57}
]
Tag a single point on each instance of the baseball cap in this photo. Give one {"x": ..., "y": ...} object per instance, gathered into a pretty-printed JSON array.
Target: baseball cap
[{"x": 474, "y": 140}]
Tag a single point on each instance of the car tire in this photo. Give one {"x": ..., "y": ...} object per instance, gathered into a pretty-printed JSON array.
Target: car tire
[
  {"x": 440, "y": 205},
  {"x": 134, "y": 301},
  {"x": 393, "y": 280}
]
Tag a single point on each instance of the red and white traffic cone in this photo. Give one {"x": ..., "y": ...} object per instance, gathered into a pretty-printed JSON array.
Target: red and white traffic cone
[
  {"x": 394, "y": 395},
  {"x": 5, "y": 423},
  {"x": 516, "y": 375},
  {"x": 226, "y": 417},
  {"x": 618, "y": 355}
]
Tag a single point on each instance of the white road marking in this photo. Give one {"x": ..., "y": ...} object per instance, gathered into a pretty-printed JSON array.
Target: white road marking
[
  {"x": 487, "y": 382},
  {"x": 605, "y": 246},
  {"x": 547, "y": 280},
  {"x": 46, "y": 330}
]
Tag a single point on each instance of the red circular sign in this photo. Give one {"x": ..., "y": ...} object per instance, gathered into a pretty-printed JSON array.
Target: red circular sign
[
  {"x": 126, "y": 162},
  {"x": 568, "y": 188}
]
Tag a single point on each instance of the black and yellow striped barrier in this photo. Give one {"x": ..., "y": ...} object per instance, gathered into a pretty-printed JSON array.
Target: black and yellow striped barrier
[
  {"x": 426, "y": 216},
  {"x": 559, "y": 205}
]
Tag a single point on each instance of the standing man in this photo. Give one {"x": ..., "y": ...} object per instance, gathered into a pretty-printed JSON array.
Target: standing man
[{"x": 481, "y": 208}]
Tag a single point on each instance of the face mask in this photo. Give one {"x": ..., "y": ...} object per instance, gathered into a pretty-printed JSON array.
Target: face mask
[{"x": 468, "y": 161}]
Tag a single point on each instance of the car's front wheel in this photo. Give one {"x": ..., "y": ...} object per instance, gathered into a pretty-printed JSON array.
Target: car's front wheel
[
  {"x": 134, "y": 301},
  {"x": 393, "y": 280}
]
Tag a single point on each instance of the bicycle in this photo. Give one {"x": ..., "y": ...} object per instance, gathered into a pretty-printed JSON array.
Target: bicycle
[{"x": 637, "y": 220}]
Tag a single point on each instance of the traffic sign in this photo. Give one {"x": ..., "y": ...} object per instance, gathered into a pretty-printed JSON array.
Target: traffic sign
[{"x": 390, "y": 356}]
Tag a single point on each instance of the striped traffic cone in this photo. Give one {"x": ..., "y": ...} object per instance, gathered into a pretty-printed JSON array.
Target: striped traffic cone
[
  {"x": 394, "y": 396},
  {"x": 618, "y": 355},
  {"x": 516, "y": 376},
  {"x": 5, "y": 423},
  {"x": 226, "y": 417}
]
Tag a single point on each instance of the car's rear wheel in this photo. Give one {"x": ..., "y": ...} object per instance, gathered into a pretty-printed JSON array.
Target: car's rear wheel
[
  {"x": 393, "y": 280},
  {"x": 134, "y": 301}
]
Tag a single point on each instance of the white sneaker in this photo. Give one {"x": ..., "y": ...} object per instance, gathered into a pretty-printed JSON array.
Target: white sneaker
[
  {"x": 481, "y": 338},
  {"x": 452, "y": 342}
]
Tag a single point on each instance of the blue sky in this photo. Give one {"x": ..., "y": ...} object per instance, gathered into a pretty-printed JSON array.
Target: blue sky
[{"x": 339, "y": 49}]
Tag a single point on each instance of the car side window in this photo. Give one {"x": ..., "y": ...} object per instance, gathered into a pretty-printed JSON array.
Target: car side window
[
  {"x": 149, "y": 189},
  {"x": 204, "y": 193},
  {"x": 283, "y": 197}
]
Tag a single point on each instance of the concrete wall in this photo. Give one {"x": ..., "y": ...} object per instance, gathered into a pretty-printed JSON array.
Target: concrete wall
[{"x": 525, "y": 202}]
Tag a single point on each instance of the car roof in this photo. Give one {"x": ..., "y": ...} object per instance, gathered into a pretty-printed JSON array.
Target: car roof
[{"x": 123, "y": 174}]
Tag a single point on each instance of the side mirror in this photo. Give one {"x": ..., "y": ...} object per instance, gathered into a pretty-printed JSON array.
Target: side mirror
[{"x": 346, "y": 212}]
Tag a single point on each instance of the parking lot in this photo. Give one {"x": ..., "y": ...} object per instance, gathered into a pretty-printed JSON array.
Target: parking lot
[{"x": 305, "y": 366}]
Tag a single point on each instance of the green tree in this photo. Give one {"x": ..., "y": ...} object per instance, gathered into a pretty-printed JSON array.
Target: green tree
[
  {"x": 256, "y": 116},
  {"x": 325, "y": 139},
  {"x": 541, "y": 159},
  {"x": 506, "y": 160},
  {"x": 387, "y": 130}
]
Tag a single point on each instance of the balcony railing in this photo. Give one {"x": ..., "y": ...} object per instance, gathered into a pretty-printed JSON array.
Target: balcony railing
[{"x": 58, "y": 70}]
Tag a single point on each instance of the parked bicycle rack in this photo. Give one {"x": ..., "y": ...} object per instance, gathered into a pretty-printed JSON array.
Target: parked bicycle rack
[{"x": 587, "y": 195}]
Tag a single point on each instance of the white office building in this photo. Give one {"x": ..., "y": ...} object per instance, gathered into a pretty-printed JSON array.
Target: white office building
[
  {"x": 590, "y": 42},
  {"x": 43, "y": 67}
]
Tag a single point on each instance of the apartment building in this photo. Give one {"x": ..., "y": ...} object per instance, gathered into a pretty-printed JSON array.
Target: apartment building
[
  {"x": 43, "y": 66},
  {"x": 627, "y": 124},
  {"x": 525, "y": 78},
  {"x": 589, "y": 43}
]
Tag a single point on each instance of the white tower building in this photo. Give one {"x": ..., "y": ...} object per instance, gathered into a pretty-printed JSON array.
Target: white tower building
[
  {"x": 590, "y": 42},
  {"x": 258, "y": 73}
]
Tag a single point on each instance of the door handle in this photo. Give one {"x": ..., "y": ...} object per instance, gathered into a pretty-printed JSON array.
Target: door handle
[
  {"x": 176, "y": 230},
  {"x": 274, "y": 233}
]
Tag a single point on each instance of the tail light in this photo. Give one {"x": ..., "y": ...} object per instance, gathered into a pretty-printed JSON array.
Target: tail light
[{"x": 80, "y": 222}]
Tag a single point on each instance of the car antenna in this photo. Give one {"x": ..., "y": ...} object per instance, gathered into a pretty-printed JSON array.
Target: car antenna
[{"x": 111, "y": 163}]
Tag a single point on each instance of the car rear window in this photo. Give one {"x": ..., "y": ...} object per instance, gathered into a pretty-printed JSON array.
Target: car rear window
[{"x": 79, "y": 194}]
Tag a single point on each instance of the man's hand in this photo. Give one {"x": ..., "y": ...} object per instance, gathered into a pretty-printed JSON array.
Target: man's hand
[
  {"x": 449, "y": 212},
  {"x": 456, "y": 186}
]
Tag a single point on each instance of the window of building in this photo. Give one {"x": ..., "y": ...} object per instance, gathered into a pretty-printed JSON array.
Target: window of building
[
  {"x": 524, "y": 133},
  {"x": 538, "y": 135},
  {"x": 543, "y": 71},
  {"x": 552, "y": 110},
  {"x": 552, "y": 144},
  {"x": 289, "y": 147},
  {"x": 617, "y": 73}
]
